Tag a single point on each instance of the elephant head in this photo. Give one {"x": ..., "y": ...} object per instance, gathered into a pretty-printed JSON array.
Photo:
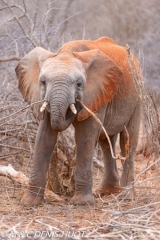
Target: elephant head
[{"x": 59, "y": 79}]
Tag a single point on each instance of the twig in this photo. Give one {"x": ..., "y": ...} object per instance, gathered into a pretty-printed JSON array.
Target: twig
[
  {"x": 157, "y": 161},
  {"x": 48, "y": 225},
  {"x": 127, "y": 143},
  {"x": 17, "y": 148},
  {"x": 10, "y": 58},
  {"x": 55, "y": 220},
  {"x": 100, "y": 123},
  {"x": 9, "y": 155},
  {"x": 21, "y": 110},
  {"x": 20, "y": 25},
  {"x": 134, "y": 210}
]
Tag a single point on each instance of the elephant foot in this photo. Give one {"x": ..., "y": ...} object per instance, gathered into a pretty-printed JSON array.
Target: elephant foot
[
  {"x": 107, "y": 190},
  {"x": 82, "y": 199},
  {"x": 31, "y": 199}
]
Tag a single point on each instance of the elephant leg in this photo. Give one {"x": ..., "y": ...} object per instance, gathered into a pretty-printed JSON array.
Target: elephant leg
[
  {"x": 45, "y": 141},
  {"x": 130, "y": 134},
  {"x": 86, "y": 133},
  {"x": 110, "y": 181}
]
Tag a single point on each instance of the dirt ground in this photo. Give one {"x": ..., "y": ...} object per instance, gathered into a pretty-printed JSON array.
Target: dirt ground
[{"x": 123, "y": 216}]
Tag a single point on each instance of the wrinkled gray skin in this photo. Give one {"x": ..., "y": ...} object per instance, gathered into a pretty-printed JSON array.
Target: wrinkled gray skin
[{"x": 61, "y": 82}]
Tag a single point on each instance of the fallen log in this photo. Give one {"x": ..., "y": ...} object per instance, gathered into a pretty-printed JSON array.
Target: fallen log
[{"x": 19, "y": 177}]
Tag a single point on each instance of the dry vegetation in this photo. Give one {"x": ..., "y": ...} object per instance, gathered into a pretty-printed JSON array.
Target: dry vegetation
[{"x": 48, "y": 24}]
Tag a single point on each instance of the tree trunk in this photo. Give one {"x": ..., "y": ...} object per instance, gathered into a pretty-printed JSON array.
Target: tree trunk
[{"x": 60, "y": 174}]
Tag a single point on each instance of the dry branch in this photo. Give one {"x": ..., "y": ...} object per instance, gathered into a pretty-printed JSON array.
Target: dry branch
[
  {"x": 16, "y": 148},
  {"x": 21, "y": 110},
  {"x": 11, "y": 173},
  {"x": 148, "y": 104},
  {"x": 20, "y": 24},
  {"x": 100, "y": 123},
  {"x": 10, "y": 58}
]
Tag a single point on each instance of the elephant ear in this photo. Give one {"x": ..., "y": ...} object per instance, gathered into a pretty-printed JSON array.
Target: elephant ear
[
  {"x": 27, "y": 72},
  {"x": 103, "y": 80}
]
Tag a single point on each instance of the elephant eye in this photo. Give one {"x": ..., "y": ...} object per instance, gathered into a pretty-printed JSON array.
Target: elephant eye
[
  {"x": 43, "y": 82},
  {"x": 79, "y": 85}
]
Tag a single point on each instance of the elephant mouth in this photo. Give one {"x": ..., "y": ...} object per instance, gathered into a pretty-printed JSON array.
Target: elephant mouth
[
  {"x": 69, "y": 112},
  {"x": 60, "y": 120}
]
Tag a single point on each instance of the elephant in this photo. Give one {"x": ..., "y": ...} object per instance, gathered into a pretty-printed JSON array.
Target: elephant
[{"x": 97, "y": 73}]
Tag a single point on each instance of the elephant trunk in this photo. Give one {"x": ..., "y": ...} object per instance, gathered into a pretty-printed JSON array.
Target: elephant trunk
[{"x": 59, "y": 104}]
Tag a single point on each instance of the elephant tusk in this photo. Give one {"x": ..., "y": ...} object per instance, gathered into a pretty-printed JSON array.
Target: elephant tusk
[
  {"x": 73, "y": 109},
  {"x": 43, "y": 106}
]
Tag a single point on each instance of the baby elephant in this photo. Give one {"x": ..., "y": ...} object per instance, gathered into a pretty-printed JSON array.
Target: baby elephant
[{"x": 98, "y": 74}]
